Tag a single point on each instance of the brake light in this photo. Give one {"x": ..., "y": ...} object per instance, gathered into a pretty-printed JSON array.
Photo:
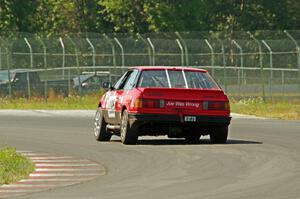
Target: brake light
[
  {"x": 216, "y": 105},
  {"x": 149, "y": 103}
]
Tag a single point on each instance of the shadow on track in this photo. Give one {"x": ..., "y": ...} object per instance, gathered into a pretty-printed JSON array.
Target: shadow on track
[{"x": 200, "y": 142}]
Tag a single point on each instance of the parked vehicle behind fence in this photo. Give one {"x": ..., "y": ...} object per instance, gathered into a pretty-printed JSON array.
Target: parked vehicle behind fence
[
  {"x": 19, "y": 81},
  {"x": 89, "y": 82},
  {"x": 26, "y": 82}
]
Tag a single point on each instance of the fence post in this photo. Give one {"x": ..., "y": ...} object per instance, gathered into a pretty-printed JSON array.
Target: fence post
[
  {"x": 122, "y": 52},
  {"x": 45, "y": 66},
  {"x": 8, "y": 73},
  {"x": 8, "y": 69},
  {"x": 31, "y": 66},
  {"x": 153, "y": 50},
  {"x": 63, "y": 65},
  {"x": 271, "y": 63},
  {"x": 30, "y": 51},
  {"x": 298, "y": 53},
  {"x": 148, "y": 47},
  {"x": 240, "y": 76},
  {"x": 1, "y": 53},
  {"x": 260, "y": 63},
  {"x": 185, "y": 48},
  {"x": 182, "y": 51},
  {"x": 0, "y": 57},
  {"x": 282, "y": 82},
  {"x": 77, "y": 64},
  {"x": 113, "y": 50},
  {"x": 241, "y": 56},
  {"x": 224, "y": 65},
  {"x": 94, "y": 53},
  {"x": 212, "y": 52},
  {"x": 64, "y": 56}
]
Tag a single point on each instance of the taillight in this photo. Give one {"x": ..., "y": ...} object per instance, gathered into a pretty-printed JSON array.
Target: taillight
[
  {"x": 138, "y": 103},
  {"x": 149, "y": 103},
  {"x": 216, "y": 105}
]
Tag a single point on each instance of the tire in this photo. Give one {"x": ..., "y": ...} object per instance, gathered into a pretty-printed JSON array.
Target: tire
[
  {"x": 100, "y": 131},
  {"x": 219, "y": 135},
  {"x": 128, "y": 134}
]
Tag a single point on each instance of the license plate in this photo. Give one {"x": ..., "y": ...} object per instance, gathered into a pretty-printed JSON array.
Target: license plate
[{"x": 190, "y": 118}]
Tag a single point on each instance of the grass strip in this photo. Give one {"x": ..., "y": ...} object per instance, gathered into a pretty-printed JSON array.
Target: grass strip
[
  {"x": 289, "y": 110},
  {"x": 281, "y": 109},
  {"x": 54, "y": 103},
  {"x": 13, "y": 166}
]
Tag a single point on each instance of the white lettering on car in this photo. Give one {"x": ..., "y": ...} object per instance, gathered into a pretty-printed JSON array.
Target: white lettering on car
[
  {"x": 192, "y": 104},
  {"x": 183, "y": 104}
]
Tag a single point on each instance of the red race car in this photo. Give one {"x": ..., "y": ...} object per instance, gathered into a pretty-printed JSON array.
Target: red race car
[{"x": 176, "y": 101}]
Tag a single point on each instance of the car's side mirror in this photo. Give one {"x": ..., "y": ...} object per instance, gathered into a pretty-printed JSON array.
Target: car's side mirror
[{"x": 107, "y": 85}]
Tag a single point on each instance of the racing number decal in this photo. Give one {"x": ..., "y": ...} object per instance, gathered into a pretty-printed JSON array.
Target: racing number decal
[{"x": 111, "y": 105}]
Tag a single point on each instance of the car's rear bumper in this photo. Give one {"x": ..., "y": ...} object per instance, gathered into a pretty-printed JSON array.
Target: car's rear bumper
[{"x": 140, "y": 119}]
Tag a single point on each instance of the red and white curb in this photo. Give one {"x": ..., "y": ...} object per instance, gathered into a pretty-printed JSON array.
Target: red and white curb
[{"x": 52, "y": 171}]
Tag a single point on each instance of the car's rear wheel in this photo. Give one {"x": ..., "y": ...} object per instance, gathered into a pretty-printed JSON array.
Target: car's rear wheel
[
  {"x": 128, "y": 135},
  {"x": 219, "y": 135},
  {"x": 100, "y": 131}
]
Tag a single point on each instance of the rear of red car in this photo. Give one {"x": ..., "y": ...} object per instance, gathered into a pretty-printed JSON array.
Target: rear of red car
[{"x": 179, "y": 102}]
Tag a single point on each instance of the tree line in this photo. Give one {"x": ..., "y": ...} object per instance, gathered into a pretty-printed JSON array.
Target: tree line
[{"x": 65, "y": 16}]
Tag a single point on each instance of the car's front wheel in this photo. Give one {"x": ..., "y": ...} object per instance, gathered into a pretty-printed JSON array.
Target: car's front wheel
[
  {"x": 219, "y": 135},
  {"x": 128, "y": 135},
  {"x": 100, "y": 131}
]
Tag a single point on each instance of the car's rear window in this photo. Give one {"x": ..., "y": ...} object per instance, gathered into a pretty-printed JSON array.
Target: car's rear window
[
  {"x": 176, "y": 79},
  {"x": 199, "y": 80},
  {"x": 153, "y": 78}
]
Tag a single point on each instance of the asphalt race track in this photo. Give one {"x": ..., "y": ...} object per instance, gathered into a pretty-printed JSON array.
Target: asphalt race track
[{"x": 260, "y": 160}]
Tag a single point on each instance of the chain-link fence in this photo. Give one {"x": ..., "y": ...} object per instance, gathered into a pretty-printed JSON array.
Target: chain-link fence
[{"x": 261, "y": 63}]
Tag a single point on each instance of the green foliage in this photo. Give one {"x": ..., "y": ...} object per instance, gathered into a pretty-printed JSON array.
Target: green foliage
[
  {"x": 154, "y": 15},
  {"x": 64, "y": 16},
  {"x": 13, "y": 166},
  {"x": 6, "y": 17},
  {"x": 67, "y": 16}
]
